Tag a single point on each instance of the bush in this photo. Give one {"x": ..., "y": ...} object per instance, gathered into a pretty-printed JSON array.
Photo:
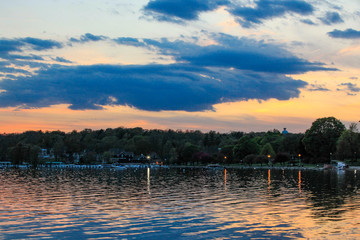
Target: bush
[
  {"x": 282, "y": 158},
  {"x": 261, "y": 159},
  {"x": 249, "y": 159}
]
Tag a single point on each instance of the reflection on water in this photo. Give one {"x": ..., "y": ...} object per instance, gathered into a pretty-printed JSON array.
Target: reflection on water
[
  {"x": 299, "y": 181},
  {"x": 173, "y": 203}
]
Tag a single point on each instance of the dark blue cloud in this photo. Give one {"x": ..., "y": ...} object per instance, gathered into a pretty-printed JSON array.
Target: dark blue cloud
[
  {"x": 269, "y": 9},
  {"x": 180, "y": 10},
  {"x": 24, "y": 57},
  {"x": 9, "y": 46},
  {"x": 40, "y": 44},
  {"x": 249, "y": 60},
  {"x": 6, "y": 68},
  {"x": 239, "y": 53},
  {"x": 151, "y": 87},
  {"x": 129, "y": 41},
  {"x": 347, "y": 34},
  {"x": 232, "y": 69},
  {"x": 88, "y": 37},
  {"x": 331, "y": 18}
]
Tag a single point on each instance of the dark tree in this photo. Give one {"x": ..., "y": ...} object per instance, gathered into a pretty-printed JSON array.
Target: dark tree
[
  {"x": 282, "y": 158},
  {"x": 348, "y": 145},
  {"x": 188, "y": 151},
  {"x": 246, "y": 146},
  {"x": 320, "y": 140}
]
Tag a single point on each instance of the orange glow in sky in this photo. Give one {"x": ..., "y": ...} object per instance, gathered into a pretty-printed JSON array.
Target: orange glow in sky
[{"x": 216, "y": 69}]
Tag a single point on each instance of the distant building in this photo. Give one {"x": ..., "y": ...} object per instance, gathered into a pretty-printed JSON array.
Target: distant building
[
  {"x": 121, "y": 156},
  {"x": 46, "y": 154},
  {"x": 284, "y": 132}
]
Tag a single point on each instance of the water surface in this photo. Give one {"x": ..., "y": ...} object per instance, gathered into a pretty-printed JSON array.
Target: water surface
[{"x": 179, "y": 204}]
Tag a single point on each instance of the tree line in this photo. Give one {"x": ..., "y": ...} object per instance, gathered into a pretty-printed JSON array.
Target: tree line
[{"x": 326, "y": 139}]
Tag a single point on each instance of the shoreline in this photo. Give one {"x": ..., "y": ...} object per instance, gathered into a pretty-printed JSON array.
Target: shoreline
[
  {"x": 212, "y": 166},
  {"x": 350, "y": 168}
]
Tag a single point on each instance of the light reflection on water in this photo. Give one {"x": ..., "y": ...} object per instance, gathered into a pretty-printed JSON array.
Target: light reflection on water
[{"x": 178, "y": 203}]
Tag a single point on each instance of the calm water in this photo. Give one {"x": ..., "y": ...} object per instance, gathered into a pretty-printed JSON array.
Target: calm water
[{"x": 179, "y": 204}]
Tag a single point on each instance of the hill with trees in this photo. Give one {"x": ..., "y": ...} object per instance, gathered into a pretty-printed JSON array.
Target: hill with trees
[{"x": 327, "y": 138}]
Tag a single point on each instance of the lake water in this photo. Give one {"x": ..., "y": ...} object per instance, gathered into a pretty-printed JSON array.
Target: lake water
[{"x": 179, "y": 203}]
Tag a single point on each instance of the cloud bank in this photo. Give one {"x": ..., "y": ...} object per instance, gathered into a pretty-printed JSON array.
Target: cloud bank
[
  {"x": 231, "y": 69},
  {"x": 151, "y": 87},
  {"x": 238, "y": 53}
]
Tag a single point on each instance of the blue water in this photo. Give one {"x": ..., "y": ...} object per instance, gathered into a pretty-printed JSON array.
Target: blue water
[{"x": 178, "y": 203}]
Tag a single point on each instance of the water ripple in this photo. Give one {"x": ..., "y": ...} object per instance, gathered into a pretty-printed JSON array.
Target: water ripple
[{"x": 171, "y": 203}]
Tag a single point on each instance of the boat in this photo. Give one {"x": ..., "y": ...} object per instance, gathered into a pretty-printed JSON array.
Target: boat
[
  {"x": 335, "y": 165},
  {"x": 118, "y": 167},
  {"x": 5, "y": 164}
]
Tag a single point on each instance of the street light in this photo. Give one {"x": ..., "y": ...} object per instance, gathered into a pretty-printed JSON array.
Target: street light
[{"x": 299, "y": 159}]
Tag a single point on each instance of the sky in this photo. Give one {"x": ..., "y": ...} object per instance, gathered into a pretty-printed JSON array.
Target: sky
[{"x": 223, "y": 65}]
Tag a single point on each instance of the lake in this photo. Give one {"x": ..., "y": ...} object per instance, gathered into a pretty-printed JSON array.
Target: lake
[{"x": 176, "y": 203}]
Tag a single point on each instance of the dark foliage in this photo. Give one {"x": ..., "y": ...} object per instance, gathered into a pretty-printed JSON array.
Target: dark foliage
[{"x": 179, "y": 147}]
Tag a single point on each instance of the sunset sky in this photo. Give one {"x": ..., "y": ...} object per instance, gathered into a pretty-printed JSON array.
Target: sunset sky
[{"x": 223, "y": 65}]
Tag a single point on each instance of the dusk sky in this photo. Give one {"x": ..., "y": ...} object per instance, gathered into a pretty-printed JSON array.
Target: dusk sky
[{"x": 223, "y": 65}]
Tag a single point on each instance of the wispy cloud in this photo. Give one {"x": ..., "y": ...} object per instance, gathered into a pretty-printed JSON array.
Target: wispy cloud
[
  {"x": 318, "y": 88},
  {"x": 62, "y": 60},
  {"x": 129, "y": 41},
  {"x": 308, "y": 21},
  {"x": 350, "y": 88},
  {"x": 14, "y": 53},
  {"x": 88, "y": 37}
]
